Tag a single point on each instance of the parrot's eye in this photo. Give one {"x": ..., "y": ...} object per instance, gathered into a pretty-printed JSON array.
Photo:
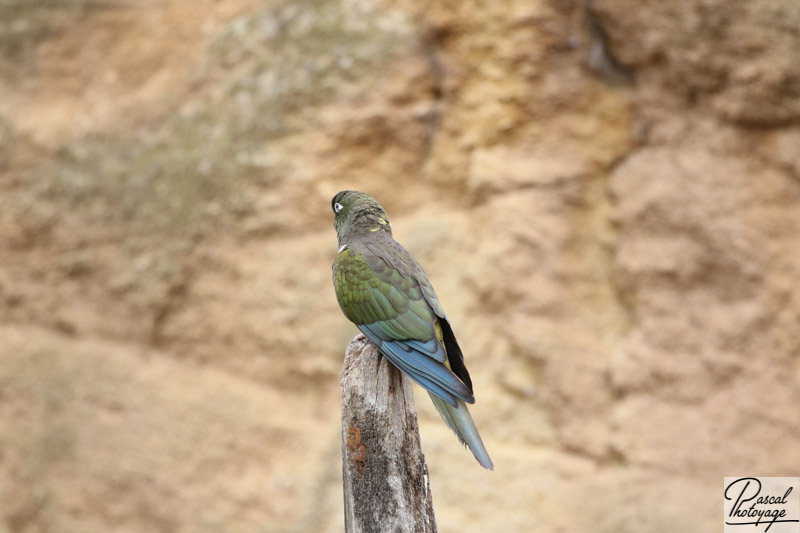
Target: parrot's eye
[{"x": 337, "y": 207}]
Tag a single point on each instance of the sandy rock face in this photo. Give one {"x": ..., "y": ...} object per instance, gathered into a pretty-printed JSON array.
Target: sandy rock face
[
  {"x": 606, "y": 197},
  {"x": 733, "y": 59}
]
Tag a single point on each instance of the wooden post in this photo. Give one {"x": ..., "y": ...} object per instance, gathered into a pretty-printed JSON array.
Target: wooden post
[{"x": 386, "y": 484}]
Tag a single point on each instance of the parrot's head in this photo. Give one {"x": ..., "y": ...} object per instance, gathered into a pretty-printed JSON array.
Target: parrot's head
[{"x": 356, "y": 213}]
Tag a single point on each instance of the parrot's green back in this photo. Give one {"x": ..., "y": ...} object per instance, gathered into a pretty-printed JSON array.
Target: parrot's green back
[{"x": 382, "y": 289}]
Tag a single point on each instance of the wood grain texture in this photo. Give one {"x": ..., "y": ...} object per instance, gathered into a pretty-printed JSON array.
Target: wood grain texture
[{"x": 386, "y": 482}]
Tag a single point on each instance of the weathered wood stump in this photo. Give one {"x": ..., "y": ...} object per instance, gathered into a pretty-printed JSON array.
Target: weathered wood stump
[{"x": 386, "y": 484}]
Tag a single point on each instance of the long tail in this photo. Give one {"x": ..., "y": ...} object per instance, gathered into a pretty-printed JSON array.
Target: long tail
[{"x": 459, "y": 420}]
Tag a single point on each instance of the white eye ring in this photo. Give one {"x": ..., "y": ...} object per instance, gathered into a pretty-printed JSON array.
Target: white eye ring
[{"x": 337, "y": 207}]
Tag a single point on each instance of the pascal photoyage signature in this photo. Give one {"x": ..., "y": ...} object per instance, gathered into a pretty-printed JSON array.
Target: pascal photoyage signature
[{"x": 748, "y": 489}]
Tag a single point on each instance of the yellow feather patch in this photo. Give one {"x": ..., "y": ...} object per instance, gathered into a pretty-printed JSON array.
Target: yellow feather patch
[{"x": 440, "y": 337}]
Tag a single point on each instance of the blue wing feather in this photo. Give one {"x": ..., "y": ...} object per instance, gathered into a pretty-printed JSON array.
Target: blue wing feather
[
  {"x": 383, "y": 296},
  {"x": 416, "y": 359},
  {"x": 432, "y": 348}
]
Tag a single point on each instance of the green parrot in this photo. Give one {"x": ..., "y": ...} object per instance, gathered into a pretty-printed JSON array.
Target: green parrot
[{"x": 383, "y": 290}]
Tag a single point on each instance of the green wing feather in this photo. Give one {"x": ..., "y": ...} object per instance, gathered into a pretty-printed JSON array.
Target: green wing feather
[
  {"x": 385, "y": 299},
  {"x": 374, "y": 293},
  {"x": 403, "y": 262}
]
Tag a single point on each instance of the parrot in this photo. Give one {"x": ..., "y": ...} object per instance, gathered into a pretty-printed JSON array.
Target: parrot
[{"x": 384, "y": 291}]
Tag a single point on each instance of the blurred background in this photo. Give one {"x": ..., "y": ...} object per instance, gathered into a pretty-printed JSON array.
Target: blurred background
[{"x": 605, "y": 194}]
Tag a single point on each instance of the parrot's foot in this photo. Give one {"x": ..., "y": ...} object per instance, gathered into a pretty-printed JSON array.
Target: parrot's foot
[{"x": 360, "y": 337}]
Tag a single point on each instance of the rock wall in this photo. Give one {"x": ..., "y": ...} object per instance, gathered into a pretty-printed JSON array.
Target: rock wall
[{"x": 605, "y": 194}]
